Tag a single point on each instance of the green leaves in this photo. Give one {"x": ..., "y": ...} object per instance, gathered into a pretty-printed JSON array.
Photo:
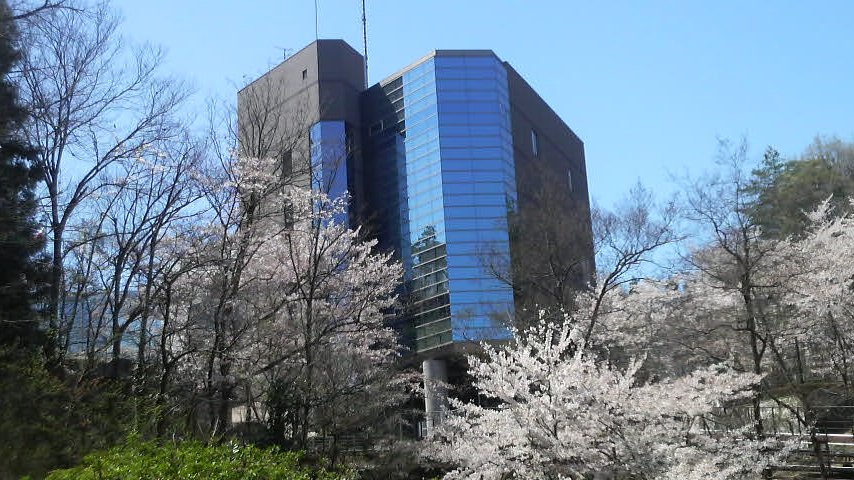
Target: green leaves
[
  {"x": 139, "y": 460},
  {"x": 785, "y": 190}
]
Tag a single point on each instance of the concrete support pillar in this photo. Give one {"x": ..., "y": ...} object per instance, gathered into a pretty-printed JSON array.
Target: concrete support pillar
[{"x": 435, "y": 391}]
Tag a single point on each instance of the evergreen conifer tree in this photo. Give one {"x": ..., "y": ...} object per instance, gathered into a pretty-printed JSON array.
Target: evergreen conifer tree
[{"x": 21, "y": 240}]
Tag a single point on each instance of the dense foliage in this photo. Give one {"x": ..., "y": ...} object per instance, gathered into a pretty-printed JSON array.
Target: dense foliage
[
  {"x": 192, "y": 460},
  {"x": 20, "y": 238},
  {"x": 47, "y": 422},
  {"x": 786, "y": 188}
]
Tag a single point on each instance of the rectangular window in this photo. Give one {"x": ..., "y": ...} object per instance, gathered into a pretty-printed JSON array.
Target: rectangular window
[
  {"x": 535, "y": 143},
  {"x": 304, "y": 74},
  {"x": 569, "y": 180},
  {"x": 287, "y": 164},
  {"x": 288, "y": 210}
]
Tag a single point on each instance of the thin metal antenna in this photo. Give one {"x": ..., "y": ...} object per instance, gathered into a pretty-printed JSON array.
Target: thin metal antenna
[
  {"x": 315, "y": 20},
  {"x": 365, "y": 41},
  {"x": 286, "y": 52}
]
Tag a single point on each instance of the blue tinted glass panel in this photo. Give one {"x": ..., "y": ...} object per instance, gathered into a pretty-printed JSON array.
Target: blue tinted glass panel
[
  {"x": 329, "y": 160},
  {"x": 478, "y": 177},
  {"x": 446, "y": 200}
]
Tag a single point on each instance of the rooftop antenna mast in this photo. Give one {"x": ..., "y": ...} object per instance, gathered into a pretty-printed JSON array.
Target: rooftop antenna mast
[
  {"x": 315, "y": 20},
  {"x": 365, "y": 41}
]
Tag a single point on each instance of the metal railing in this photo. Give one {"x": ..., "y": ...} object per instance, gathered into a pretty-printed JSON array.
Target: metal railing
[
  {"x": 823, "y": 437},
  {"x": 429, "y": 421},
  {"x": 776, "y": 420}
]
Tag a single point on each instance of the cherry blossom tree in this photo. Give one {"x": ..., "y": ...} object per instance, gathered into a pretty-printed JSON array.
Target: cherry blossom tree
[
  {"x": 822, "y": 292},
  {"x": 295, "y": 304},
  {"x": 326, "y": 292},
  {"x": 736, "y": 278},
  {"x": 563, "y": 413}
]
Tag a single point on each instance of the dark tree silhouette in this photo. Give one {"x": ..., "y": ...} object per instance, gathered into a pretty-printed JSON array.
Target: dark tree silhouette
[{"x": 21, "y": 240}]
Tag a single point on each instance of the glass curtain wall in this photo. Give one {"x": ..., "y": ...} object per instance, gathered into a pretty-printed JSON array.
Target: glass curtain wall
[
  {"x": 479, "y": 187},
  {"x": 442, "y": 180},
  {"x": 424, "y": 245}
]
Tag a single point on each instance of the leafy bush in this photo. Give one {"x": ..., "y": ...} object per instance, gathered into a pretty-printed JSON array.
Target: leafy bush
[
  {"x": 47, "y": 422},
  {"x": 192, "y": 460}
]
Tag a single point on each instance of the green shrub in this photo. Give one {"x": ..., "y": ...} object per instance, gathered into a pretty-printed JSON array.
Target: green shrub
[{"x": 138, "y": 460}]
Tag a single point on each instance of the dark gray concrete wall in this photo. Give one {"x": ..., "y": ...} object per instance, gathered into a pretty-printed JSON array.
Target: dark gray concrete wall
[
  {"x": 552, "y": 226},
  {"x": 560, "y": 149},
  {"x": 323, "y": 81}
]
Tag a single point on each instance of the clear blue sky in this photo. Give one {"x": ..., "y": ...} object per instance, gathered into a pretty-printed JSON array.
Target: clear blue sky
[{"x": 649, "y": 86}]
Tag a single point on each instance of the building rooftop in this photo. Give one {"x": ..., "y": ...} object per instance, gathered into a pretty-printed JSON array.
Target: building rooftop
[
  {"x": 313, "y": 44},
  {"x": 438, "y": 53}
]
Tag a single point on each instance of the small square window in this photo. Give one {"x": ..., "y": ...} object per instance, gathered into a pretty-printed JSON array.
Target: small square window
[{"x": 305, "y": 74}]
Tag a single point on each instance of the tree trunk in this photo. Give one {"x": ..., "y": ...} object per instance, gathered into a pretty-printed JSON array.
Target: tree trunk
[{"x": 55, "y": 300}]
